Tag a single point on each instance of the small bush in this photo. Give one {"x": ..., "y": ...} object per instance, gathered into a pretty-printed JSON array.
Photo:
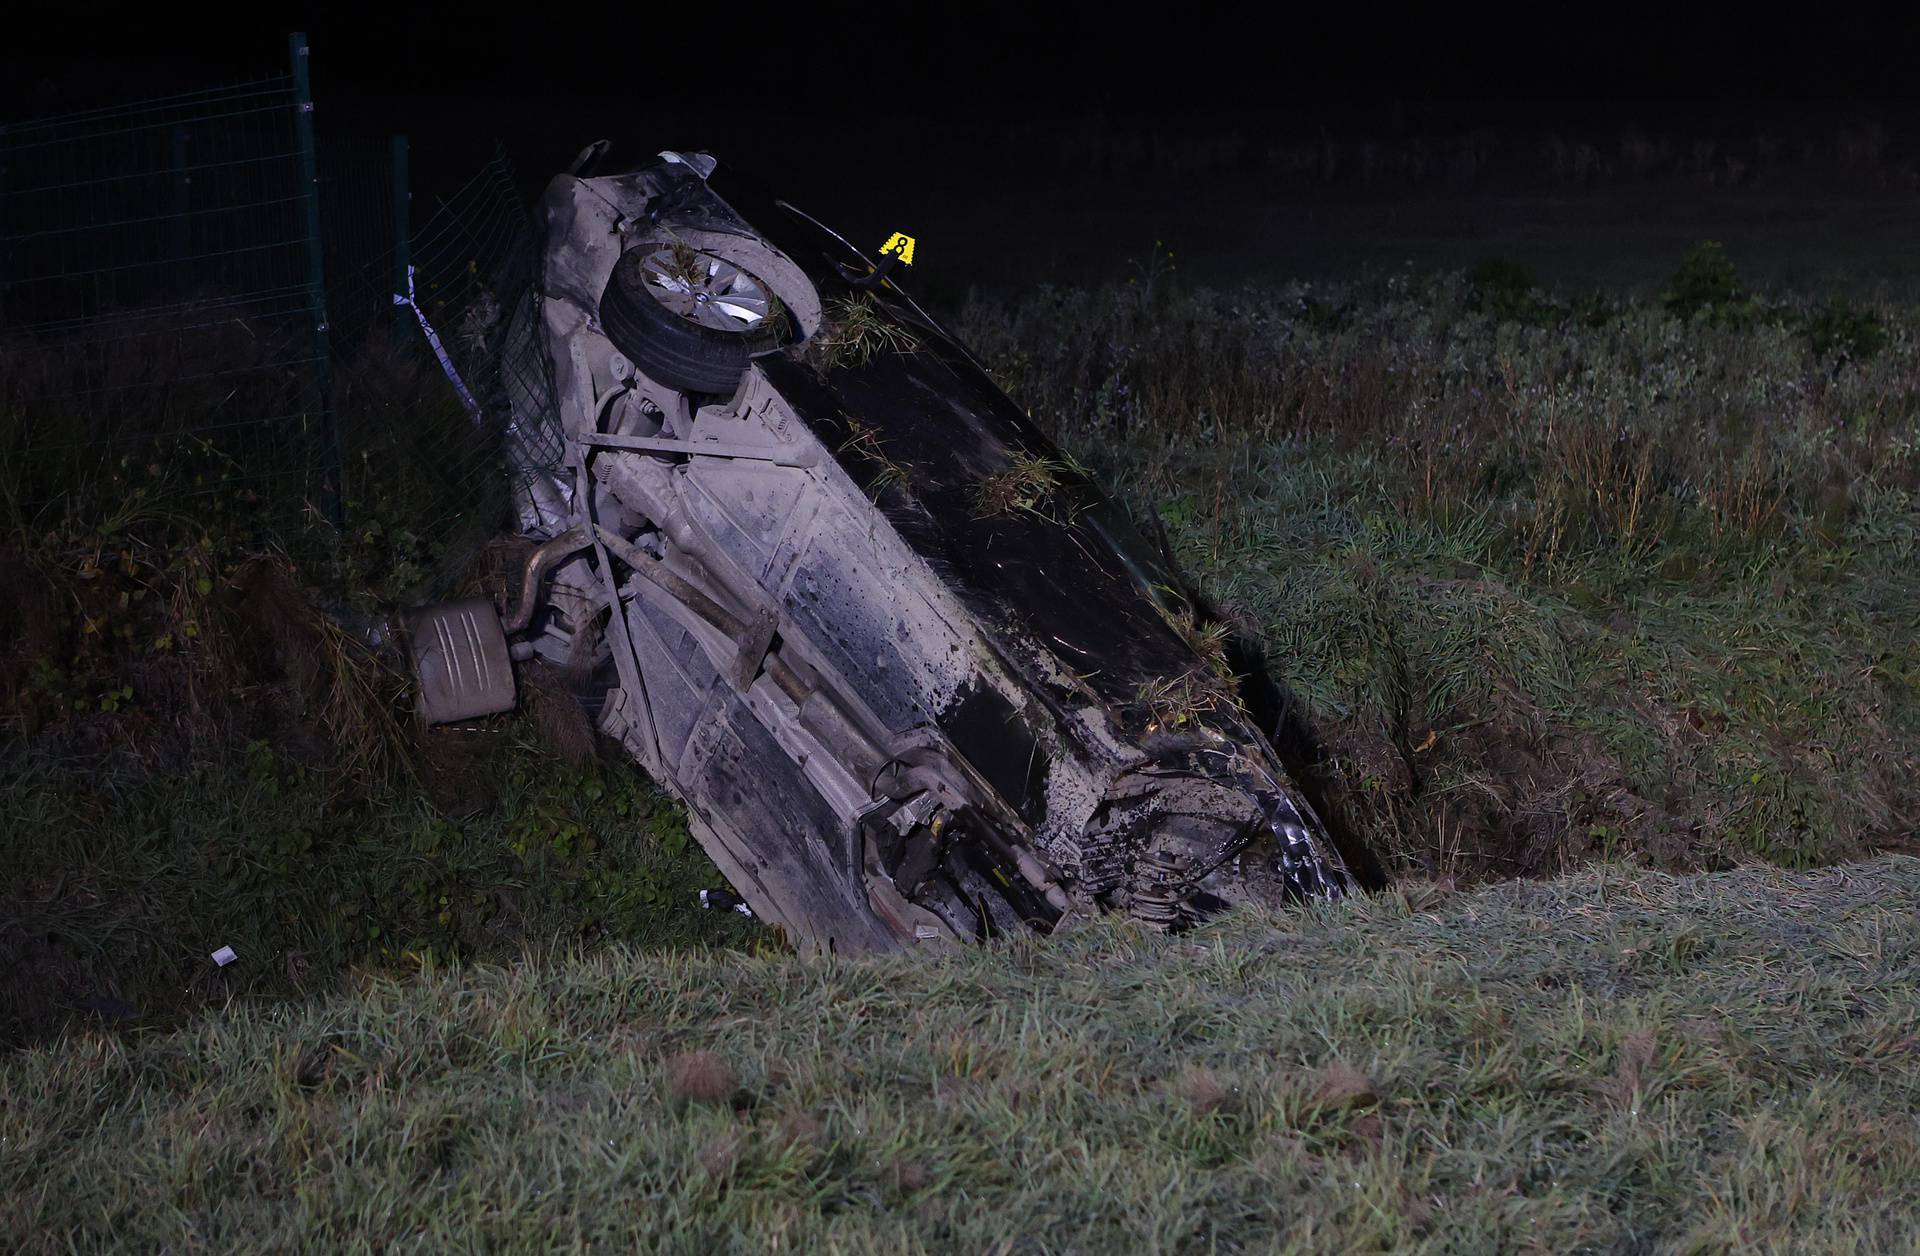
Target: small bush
[
  {"x": 1706, "y": 288},
  {"x": 1509, "y": 294},
  {"x": 1838, "y": 330}
]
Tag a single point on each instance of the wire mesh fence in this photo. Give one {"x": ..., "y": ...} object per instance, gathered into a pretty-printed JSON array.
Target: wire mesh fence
[
  {"x": 159, "y": 294},
  {"x": 192, "y": 289},
  {"x": 446, "y": 406}
]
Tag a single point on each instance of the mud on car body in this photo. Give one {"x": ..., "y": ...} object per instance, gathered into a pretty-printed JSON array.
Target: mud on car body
[{"x": 914, "y": 673}]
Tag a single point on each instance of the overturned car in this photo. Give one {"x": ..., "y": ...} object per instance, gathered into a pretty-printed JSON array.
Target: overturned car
[{"x": 914, "y": 674}]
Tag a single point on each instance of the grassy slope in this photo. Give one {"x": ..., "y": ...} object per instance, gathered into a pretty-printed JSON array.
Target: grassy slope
[
  {"x": 1609, "y": 1060},
  {"x": 1556, "y": 585},
  {"x": 1553, "y": 581},
  {"x": 122, "y": 882},
  {"x": 1484, "y": 722}
]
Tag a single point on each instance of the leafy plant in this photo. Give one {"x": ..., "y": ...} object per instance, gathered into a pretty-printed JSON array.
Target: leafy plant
[
  {"x": 1840, "y": 330},
  {"x": 1706, "y": 288},
  {"x": 1509, "y": 294}
]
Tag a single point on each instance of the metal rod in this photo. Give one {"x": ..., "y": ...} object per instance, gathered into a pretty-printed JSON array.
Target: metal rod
[
  {"x": 626, "y": 660},
  {"x": 788, "y": 680},
  {"x": 780, "y": 455},
  {"x": 681, "y": 590}
]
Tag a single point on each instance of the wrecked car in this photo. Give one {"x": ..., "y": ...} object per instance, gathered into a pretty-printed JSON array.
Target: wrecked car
[{"x": 914, "y": 673}]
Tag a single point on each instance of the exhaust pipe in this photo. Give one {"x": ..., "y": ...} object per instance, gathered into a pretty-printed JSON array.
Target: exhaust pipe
[{"x": 542, "y": 560}]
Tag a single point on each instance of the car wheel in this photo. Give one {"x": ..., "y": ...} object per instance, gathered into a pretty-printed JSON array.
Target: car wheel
[{"x": 688, "y": 318}]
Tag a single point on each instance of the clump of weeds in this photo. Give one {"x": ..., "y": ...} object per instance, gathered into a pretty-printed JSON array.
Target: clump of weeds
[
  {"x": 1180, "y": 702},
  {"x": 871, "y": 447},
  {"x": 1029, "y": 482},
  {"x": 856, "y": 329}
]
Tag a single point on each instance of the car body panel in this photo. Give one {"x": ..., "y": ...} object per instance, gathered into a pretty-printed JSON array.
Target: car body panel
[{"x": 901, "y": 705}]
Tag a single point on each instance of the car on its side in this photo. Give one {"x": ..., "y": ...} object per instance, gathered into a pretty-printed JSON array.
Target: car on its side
[{"x": 915, "y": 674}]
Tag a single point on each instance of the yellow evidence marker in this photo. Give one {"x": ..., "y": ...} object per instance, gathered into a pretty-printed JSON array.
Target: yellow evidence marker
[{"x": 900, "y": 244}]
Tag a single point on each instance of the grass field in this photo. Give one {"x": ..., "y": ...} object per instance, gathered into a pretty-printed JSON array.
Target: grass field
[
  {"x": 1553, "y": 579},
  {"x": 1609, "y": 1061},
  {"x": 1613, "y": 596}
]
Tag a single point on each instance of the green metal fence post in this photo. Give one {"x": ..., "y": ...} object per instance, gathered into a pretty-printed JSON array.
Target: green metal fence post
[
  {"x": 333, "y": 490},
  {"x": 402, "y": 239}
]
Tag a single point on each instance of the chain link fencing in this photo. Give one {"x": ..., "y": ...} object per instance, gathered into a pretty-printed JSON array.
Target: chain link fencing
[
  {"x": 446, "y": 405},
  {"x": 197, "y": 295}
]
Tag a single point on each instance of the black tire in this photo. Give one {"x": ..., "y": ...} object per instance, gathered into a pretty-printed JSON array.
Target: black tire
[{"x": 674, "y": 350}]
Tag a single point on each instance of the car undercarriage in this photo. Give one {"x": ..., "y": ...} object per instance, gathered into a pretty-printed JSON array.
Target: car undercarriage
[{"x": 916, "y": 676}]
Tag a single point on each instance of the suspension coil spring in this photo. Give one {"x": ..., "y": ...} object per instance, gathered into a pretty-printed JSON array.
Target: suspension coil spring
[{"x": 1160, "y": 890}]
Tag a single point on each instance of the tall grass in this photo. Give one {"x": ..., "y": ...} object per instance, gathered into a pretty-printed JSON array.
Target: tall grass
[
  {"x": 1554, "y": 579},
  {"x": 201, "y": 745},
  {"x": 1555, "y": 584}
]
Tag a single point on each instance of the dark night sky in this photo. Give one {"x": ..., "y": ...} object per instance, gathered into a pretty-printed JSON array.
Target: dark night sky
[
  {"x": 1058, "y": 56},
  {"x": 421, "y": 74},
  {"x": 835, "y": 99}
]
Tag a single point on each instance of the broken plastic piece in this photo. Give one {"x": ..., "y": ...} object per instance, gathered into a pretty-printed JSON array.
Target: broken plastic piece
[
  {"x": 224, "y": 956},
  {"x": 720, "y": 900},
  {"x": 702, "y": 164}
]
